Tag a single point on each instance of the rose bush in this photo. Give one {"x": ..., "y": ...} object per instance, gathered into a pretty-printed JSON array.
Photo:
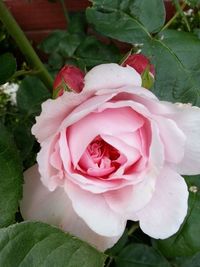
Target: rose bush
[{"x": 109, "y": 154}]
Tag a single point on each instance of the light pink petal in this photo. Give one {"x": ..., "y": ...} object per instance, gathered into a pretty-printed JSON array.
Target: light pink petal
[
  {"x": 173, "y": 139},
  {"x": 156, "y": 152},
  {"x": 128, "y": 200},
  {"x": 164, "y": 214},
  {"x": 51, "y": 175},
  {"x": 130, "y": 93},
  {"x": 109, "y": 121},
  {"x": 54, "y": 111},
  {"x": 64, "y": 151},
  {"x": 142, "y": 191},
  {"x": 111, "y": 76},
  {"x": 94, "y": 210},
  {"x": 188, "y": 120},
  {"x": 55, "y": 208}
]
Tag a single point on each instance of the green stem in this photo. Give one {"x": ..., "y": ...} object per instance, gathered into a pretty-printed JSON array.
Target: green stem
[
  {"x": 24, "y": 45},
  {"x": 173, "y": 18},
  {"x": 180, "y": 10},
  {"x": 133, "y": 228},
  {"x": 24, "y": 72},
  {"x": 65, "y": 11},
  {"x": 109, "y": 261}
]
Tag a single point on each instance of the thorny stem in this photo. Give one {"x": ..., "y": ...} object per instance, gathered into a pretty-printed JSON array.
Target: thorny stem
[{"x": 24, "y": 45}]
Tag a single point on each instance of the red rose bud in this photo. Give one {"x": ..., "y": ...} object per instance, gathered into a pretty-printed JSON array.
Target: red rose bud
[
  {"x": 139, "y": 62},
  {"x": 68, "y": 78},
  {"x": 143, "y": 66}
]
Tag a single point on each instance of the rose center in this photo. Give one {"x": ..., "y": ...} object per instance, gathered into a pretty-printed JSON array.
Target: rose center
[{"x": 99, "y": 159}]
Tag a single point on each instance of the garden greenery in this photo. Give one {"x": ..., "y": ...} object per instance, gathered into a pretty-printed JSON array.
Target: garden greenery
[{"x": 173, "y": 48}]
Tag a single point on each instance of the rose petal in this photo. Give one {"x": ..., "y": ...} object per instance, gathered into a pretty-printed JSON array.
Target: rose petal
[
  {"x": 173, "y": 139},
  {"x": 188, "y": 120},
  {"x": 108, "y": 122},
  {"x": 55, "y": 208},
  {"x": 54, "y": 112},
  {"x": 131, "y": 153},
  {"x": 164, "y": 214},
  {"x": 128, "y": 200},
  {"x": 94, "y": 210},
  {"x": 111, "y": 76},
  {"x": 50, "y": 176}
]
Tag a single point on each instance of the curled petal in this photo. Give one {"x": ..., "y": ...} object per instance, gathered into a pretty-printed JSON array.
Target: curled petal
[{"x": 111, "y": 76}]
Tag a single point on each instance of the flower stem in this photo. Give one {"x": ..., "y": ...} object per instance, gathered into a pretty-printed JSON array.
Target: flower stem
[
  {"x": 173, "y": 18},
  {"x": 65, "y": 11},
  {"x": 133, "y": 228},
  {"x": 24, "y": 45}
]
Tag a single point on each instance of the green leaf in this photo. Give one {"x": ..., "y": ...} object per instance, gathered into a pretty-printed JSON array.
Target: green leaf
[
  {"x": 192, "y": 262},
  {"x": 30, "y": 95},
  {"x": 177, "y": 76},
  {"x": 33, "y": 244},
  {"x": 150, "y": 13},
  {"x": 50, "y": 44},
  {"x": 127, "y": 20},
  {"x": 186, "y": 242},
  {"x": 92, "y": 52},
  {"x": 139, "y": 255},
  {"x": 8, "y": 67},
  {"x": 117, "y": 24},
  {"x": 77, "y": 23},
  {"x": 61, "y": 42},
  {"x": 10, "y": 178},
  {"x": 68, "y": 44},
  {"x": 193, "y": 2},
  {"x": 23, "y": 139},
  {"x": 55, "y": 61}
]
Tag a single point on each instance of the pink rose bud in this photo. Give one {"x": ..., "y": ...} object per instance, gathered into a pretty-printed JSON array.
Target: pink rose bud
[
  {"x": 143, "y": 66},
  {"x": 68, "y": 78}
]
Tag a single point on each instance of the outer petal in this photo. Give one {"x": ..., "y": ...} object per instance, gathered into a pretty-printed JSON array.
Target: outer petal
[
  {"x": 40, "y": 204},
  {"x": 94, "y": 210},
  {"x": 111, "y": 76},
  {"x": 188, "y": 120},
  {"x": 54, "y": 112},
  {"x": 164, "y": 214}
]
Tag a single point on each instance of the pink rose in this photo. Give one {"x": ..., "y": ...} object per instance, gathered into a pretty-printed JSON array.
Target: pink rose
[
  {"x": 69, "y": 77},
  {"x": 110, "y": 154}
]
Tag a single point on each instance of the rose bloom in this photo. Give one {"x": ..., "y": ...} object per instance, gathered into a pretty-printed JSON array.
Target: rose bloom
[{"x": 109, "y": 154}]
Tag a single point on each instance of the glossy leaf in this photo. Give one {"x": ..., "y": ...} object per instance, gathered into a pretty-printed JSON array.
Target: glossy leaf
[
  {"x": 127, "y": 20},
  {"x": 176, "y": 59},
  {"x": 36, "y": 244}
]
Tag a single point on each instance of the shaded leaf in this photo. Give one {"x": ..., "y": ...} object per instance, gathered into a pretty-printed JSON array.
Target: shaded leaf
[
  {"x": 92, "y": 52},
  {"x": 8, "y": 67},
  {"x": 139, "y": 255},
  {"x": 30, "y": 95},
  {"x": 10, "y": 178}
]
